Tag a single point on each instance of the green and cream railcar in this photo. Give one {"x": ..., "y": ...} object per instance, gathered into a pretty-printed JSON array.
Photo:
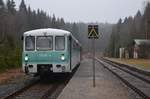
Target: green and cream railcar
[{"x": 50, "y": 50}]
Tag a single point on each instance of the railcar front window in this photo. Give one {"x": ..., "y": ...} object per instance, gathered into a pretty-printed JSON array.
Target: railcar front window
[
  {"x": 44, "y": 43},
  {"x": 30, "y": 43},
  {"x": 60, "y": 43}
]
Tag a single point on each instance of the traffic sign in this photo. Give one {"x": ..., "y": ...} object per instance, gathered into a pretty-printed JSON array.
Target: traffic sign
[{"x": 93, "y": 32}]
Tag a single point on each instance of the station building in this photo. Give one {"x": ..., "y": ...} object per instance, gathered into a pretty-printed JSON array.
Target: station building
[{"x": 141, "y": 48}]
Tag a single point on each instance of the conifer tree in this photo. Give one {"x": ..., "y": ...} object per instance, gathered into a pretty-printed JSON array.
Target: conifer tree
[
  {"x": 22, "y": 7},
  {"x": 11, "y": 6}
]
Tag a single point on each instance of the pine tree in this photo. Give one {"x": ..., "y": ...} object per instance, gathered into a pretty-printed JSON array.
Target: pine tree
[
  {"x": 11, "y": 6},
  {"x": 22, "y": 7},
  {"x": 2, "y": 21},
  {"x": 146, "y": 20},
  {"x": 117, "y": 38},
  {"x": 1, "y": 4},
  {"x": 54, "y": 22},
  {"x": 2, "y": 8},
  {"x": 75, "y": 30},
  {"x": 137, "y": 22},
  {"x": 22, "y": 17},
  {"x": 62, "y": 23}
]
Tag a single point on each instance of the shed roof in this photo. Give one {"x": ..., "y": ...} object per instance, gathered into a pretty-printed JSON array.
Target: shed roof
[{"x": 141, "y": 41}]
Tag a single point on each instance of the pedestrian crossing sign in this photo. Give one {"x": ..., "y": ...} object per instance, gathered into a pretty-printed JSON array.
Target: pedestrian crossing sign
[{"x": 93, "y": 32}]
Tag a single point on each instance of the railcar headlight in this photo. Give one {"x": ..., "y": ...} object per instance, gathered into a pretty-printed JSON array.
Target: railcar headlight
[
  {"x": 62, "y": 58},
  {"x": 26, "y": 58}
]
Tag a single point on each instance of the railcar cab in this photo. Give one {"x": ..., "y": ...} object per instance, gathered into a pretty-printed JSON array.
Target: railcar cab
[{"x": 46, "y": 50}]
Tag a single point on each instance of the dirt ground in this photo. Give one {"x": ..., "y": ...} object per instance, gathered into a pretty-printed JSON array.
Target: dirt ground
[{"x": 10, "y": 74}]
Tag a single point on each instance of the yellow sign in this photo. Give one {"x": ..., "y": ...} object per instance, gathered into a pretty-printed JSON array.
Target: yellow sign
[{"x": 93, "y": 32}]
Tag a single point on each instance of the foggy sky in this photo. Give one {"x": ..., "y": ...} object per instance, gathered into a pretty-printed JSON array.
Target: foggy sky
[{"x": 88, "y": 10}]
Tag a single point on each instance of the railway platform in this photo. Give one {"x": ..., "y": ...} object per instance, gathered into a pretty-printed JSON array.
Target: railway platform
[
  {"x": 108, "y": 86},
  {"x": 138, "y": 68},
  {"x": 135, "y": 67}
]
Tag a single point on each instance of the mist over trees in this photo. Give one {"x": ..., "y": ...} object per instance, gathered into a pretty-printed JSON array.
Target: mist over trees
[
  {"x": 12, "y": 25},
  {"x": 125, "y": 31},
  {"x": 13, "y": 22},
  {"x": 80, "y": 31}
]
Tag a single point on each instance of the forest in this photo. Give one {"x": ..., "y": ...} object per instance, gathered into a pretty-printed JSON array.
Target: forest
[
  {"x": 126, "y": 30},
  {"x": 12, "y": 25},
  {"x": 14, "y": 22}
]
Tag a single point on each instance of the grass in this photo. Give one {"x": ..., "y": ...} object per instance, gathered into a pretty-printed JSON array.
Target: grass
[
  {"x": 140, "y": 63},
  {"x": 9, "y": 59},
  {"x": 12, "y": 64}
]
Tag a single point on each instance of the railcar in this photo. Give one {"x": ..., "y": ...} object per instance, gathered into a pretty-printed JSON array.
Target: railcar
[{"x": 50, "y": 51}]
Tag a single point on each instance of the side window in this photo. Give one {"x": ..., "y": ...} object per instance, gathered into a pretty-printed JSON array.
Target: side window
[
  {"x": 59, "y": 43},
  {"x": 74, "y": 45}
]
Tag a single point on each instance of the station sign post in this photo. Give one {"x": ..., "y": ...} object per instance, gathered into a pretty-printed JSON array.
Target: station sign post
[{"x": 93, "y": 34}]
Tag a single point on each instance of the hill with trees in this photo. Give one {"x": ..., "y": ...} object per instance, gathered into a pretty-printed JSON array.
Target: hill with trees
[
  {"x": 13, "y": 22},
  {"x": 125, "y": 31}
]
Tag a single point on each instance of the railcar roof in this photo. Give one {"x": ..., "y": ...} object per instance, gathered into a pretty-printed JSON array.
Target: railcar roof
[{"x": 48, "y": 31}]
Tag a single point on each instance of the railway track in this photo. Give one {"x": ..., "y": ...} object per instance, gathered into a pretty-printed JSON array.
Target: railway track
[
  {"x": 47, "y": 88},
  {"x": 41, "y": 89},
  {"x": 136, "y": 80}
]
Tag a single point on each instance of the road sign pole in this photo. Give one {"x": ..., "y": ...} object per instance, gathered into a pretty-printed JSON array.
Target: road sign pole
[
  {"x": 93, "y": 34},
  {"x": 93, "y": 47}
]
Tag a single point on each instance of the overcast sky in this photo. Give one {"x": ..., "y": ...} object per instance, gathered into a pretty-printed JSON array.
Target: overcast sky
[{"x": 88, "y": 10}]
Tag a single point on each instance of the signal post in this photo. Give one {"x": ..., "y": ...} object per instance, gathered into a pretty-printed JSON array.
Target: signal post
[{"x": 93, "y": 34}]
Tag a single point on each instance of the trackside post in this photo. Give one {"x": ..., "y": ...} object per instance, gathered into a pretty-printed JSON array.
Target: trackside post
[{"x": 93, "y": 34}]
